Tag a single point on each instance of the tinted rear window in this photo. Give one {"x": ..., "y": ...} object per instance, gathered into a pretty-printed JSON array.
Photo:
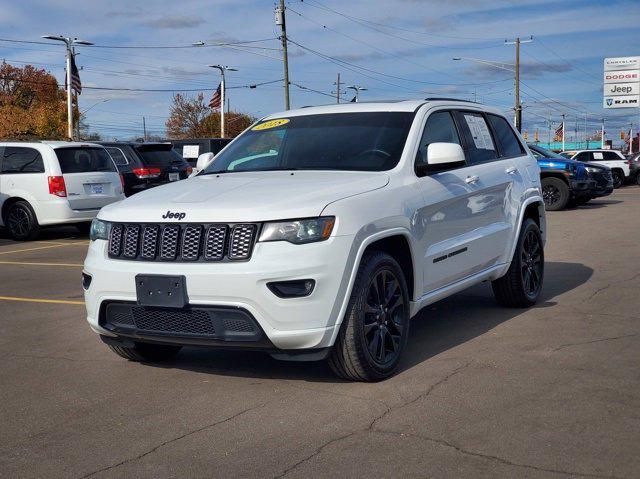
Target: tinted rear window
[
  {"x": 21, "y": 160},
  {"x": 84, "y": 160},
  {"x": 117, "y": 156},
  {"x": 506, "y": 137},
  {"x": 159, "y": 156}
]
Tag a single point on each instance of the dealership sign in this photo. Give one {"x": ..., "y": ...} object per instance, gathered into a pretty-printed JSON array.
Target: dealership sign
[{"x": 621, "y": 82}]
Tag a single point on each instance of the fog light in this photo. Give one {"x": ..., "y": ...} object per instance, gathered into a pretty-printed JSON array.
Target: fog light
[
  {"x": 292, "y": 289},
  {"x": 86, "y": 280}
]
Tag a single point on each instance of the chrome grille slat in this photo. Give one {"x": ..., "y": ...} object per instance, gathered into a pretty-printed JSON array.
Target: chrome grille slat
[
  {"x": 188, "y": 242},
  {"x": 214, "y": 245},
  {"x": 169, "y": 242},
  {"x": 191, "y": 239},
  {"x": 131, "y": 236},
  {"x": 149, "y": 242},
  {"x": 241, "y": 241}
]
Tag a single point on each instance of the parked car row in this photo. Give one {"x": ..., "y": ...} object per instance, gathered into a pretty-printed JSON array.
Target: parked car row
[
  {"x": 574, "y": 178},
  {"x": 47, "y": 183}
]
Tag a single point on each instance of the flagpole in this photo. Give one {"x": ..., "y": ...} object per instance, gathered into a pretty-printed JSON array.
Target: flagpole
[
  {"x": 563, "y": 132},
  {"x": 222, "y": 104},
  {"x": 69, "y": 96}
]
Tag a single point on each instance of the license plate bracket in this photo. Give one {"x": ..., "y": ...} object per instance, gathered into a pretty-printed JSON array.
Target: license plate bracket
[
  {"x": 174, "y": 176},
  {"x": 161, "y": 291}
]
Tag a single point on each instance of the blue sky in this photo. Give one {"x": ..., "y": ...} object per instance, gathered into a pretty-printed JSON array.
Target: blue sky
[{"x": 395, "y": 48}]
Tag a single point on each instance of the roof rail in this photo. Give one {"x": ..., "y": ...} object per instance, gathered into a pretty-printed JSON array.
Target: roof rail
[{"x": 450, "y": 99}]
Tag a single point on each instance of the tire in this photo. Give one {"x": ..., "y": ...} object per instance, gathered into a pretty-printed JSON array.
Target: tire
[
  {"x": 374, "y": 331},
  {"x": 555, "y": 193},
  {"x": 145, "y": 352},
  {"x": 21, "y": 221},
  {"x": 618, "y": 179},
  {"x": 83, "y": 228},
  {"x": 513, "y": 289},
  {"x": 638, "y": 179}
]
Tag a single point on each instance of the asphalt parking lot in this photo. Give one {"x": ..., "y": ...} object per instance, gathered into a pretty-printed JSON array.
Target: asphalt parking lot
[{"x": 484, "y": 391}]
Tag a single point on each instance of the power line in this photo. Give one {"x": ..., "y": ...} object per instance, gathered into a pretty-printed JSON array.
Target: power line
[{"x": 374, "y": 26}]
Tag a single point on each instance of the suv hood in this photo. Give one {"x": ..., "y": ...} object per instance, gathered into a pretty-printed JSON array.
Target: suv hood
[{"x": 245, "y": 197}]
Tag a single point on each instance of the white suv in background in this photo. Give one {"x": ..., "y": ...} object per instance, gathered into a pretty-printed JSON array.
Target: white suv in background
[
  {"x": 319, "y": 232},
  {"x": 620, "y": 166},
  {"x": 52, "y": 183}
]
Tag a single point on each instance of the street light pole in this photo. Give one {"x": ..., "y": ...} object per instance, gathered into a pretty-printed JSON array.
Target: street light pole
[
  {"x": 357, "y": 89},
  {"x": 282, "y": 23},
  {"x": 222, "y": 69},
  {"x": 69, "y": 42}
]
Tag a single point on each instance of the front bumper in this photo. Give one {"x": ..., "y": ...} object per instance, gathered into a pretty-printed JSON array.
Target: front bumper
[{"x": 288, "y": 324}]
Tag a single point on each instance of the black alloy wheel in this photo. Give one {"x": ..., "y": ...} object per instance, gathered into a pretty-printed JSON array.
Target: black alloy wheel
[
  {"x": 531, "y": 264},
  {"x": 384, "y": 314},
  {"x": 618, "y": 179},
  {"x": 555, "y": 193},
  {"x": 21, "y": 221}
]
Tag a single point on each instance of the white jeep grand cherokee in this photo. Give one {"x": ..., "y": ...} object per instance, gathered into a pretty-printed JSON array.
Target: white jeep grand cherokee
[{"x": 319, "y": 232}]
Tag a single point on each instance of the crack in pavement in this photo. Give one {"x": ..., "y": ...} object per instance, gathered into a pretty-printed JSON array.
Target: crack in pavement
[
  {"x": 562, "y": 346},
  {"x": 620, "y": 281},
  {"x": 169, "y": 441},
  {"x": 491, "y": 457},
  {"x": 372, "y": 424}
]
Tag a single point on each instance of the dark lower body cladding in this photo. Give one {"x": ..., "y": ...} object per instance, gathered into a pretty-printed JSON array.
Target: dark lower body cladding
[{"x": 208, "y": 326}]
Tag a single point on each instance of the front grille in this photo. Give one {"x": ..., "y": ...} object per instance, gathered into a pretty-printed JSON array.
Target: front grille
[
  {"x": 190, "y": 242},
  {"x": 173, "y": 321}
]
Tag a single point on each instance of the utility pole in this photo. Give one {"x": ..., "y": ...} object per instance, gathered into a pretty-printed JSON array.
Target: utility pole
[
  {"x": 222, "y": 69},
  {"x": 337, "y": 84},
  {"x": 602, "y": 135},
  {"x": 144, "y": 129},
  {"x": 549, "y": 127},
  {"x": 518, "y": 105},
  {"x": 586, "y": 134},
  {"x": 575, "y": 133},
  {"x": 281, "y": 21},
  {"x": 69, "y": 42},
  {"x": 631, "y": 138}
]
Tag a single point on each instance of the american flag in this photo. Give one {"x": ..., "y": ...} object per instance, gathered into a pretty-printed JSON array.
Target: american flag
[
  {"x": 559, "y": 132},
  {"x": 216, "y": 98},
  {"x": 76, "y": 85}
]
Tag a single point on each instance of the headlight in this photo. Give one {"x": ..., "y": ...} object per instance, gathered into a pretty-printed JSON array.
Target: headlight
[
  {"x": 299, "y": 231},
  {"x": 99, "y": 230},
  {"x": 590, "y": 169}
]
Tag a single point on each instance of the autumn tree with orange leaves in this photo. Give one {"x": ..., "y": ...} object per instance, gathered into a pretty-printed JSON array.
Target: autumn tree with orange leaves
[
  {"x": 192, "y": 118},
  {"x": 32, "y": 105}
]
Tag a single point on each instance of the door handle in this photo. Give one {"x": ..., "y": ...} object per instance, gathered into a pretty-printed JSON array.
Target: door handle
[
  {"x": 511, "y": 170},
  {"x": 471, "y": 179}
]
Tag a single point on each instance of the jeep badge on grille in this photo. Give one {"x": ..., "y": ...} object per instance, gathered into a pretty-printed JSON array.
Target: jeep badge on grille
[{"x": 171, "y": 215}]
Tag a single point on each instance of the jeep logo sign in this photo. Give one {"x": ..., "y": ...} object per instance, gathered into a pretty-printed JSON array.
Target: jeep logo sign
[{"x": 173, "y": 216}]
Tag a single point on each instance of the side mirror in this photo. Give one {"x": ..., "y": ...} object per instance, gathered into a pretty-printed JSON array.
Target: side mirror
[
  {"x": 204, "y": 160},
  {"x": 444, "y": 154}
]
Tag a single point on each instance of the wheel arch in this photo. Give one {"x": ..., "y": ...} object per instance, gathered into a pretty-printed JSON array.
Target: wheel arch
[
  {"x": 7, "y": 204},
  {"x": 554, "y": 174}
]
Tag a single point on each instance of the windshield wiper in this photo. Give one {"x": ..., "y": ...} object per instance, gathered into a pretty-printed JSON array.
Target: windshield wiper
[{"x": 219, "y": 172}]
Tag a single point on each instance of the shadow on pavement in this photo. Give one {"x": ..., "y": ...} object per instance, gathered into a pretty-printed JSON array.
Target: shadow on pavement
[
  {"x": 437, "y": 328},
  {"x": 48, "y": 234}
]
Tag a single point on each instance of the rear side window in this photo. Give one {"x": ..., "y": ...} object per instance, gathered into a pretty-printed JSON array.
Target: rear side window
[
  {"x": 478, "y": 139},
  {"x": 584, "y": 156},
  {"x": 611, "y": 156},
  {"x": 84, "y": 160},
  {"x": 21, "y": 160},
  {"x": 118, "y": 156},
  {"x": 509, "y": 144}
]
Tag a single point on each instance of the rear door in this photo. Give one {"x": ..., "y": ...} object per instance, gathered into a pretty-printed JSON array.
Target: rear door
[
  {"x": 90, "y": 176},
  {"x": 22, "y": 173}
]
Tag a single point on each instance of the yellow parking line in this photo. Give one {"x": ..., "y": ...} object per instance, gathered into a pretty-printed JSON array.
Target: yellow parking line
[
  {"x": 57, "y": 245},
  {"x": 38, "y": 300},
  {"x": 21, "y": 263}
]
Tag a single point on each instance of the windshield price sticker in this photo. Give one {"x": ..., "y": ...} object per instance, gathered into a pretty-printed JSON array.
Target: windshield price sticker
[
  {"x": 270, "y": 124},
  {"x": 480, "y": 132}
]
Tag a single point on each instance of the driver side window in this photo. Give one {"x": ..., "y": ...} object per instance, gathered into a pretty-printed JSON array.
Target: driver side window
[{"x": 440, "y": 128}]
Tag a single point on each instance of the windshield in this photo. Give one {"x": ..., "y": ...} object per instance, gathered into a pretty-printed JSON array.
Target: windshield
[
  {"x": 542, "y": 153},
  {"x": 371, "y": 141},
  {"x": 159, "y": 155},
  {"x": 84, "y": 160}
]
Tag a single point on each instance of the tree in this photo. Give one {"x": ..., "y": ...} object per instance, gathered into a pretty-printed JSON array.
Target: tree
[
  {"x": 32, "y": 105},
  {"x": 192, "y": 118}
]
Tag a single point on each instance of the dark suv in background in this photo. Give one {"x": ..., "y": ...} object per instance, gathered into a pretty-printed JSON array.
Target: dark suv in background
[{"x": 145, "y": 165}]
